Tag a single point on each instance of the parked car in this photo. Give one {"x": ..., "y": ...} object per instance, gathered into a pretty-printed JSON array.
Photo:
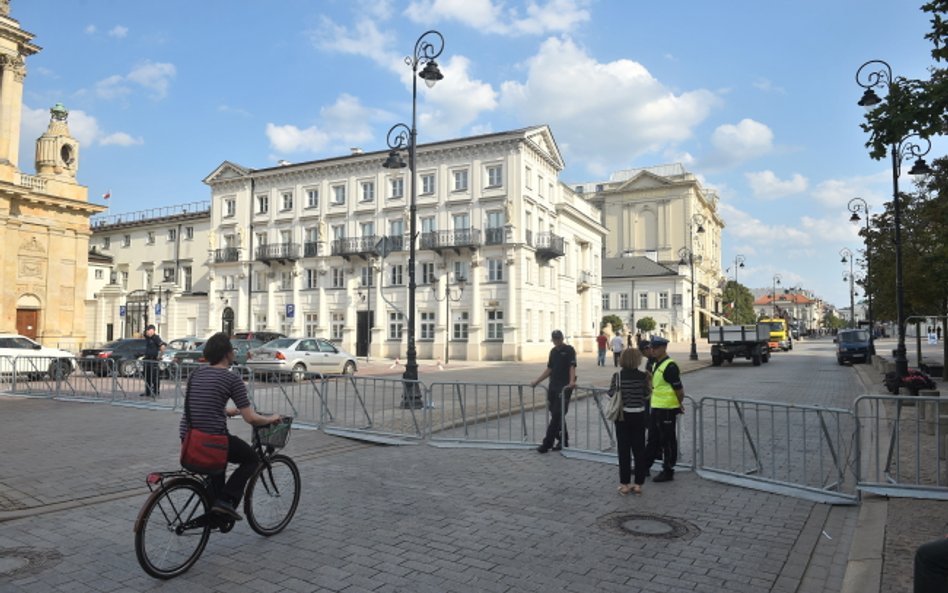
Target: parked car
[
  {"x": 188, "y": 360},
  {"x": 124, "y": 355},
  {"x": 262, "y": 336},
  {"x": 852, "y": 345},
  {"x": 298, "y": 356},
  {"x": 36, "y": 360}
]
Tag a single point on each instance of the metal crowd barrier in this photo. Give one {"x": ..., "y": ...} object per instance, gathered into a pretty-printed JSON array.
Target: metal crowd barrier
[
  {"x": 391, "y": 411},
  {"x": 285, "y": 394},
  {"x": 805, "y": 451},
  {"x": 491, "y": 415},
  {"x": 902, "y": 445}
]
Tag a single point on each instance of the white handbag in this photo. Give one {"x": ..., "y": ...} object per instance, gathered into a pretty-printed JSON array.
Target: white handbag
[{"x": 614, "y": 409}]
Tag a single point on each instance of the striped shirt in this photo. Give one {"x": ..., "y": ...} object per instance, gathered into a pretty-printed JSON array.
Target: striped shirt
[
  {"x": 211, "y": 387},
  {"x": 634, "y": 388}
]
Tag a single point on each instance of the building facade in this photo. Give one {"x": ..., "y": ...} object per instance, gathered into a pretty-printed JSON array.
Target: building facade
[
  {"x": 661, "y": 220},
  {"x": 44, "y": 218},
  {"x": 799, "y": 307}
]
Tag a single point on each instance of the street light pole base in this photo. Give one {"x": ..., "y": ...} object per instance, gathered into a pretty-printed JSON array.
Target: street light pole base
[{"x": 694, "y": 352}]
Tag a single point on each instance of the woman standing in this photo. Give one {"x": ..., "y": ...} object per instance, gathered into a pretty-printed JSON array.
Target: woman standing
[{"x": 632, "y": 385}]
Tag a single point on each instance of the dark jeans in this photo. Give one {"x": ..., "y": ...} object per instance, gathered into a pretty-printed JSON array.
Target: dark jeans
[
  {"x": 615, "y": 358},
  {"x": 557, "y": 423},
  {"x": 662, "y": 438},
  {"x": 630, "y": 442},
  {"x": 238, "y": 451},
  {"x": 152, "y": 377},
  {"x": 931, "y": 567}
]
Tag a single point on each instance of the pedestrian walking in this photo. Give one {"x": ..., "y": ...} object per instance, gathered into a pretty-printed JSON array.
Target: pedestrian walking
[
  {"x": 602, "y": 342},
  {"x": 618, "y": 344},
  {"x": 561, "y": 369},
  {"x": 667, "y": 403},
  {"x": 209, "y": 389},
  {"x": 632, "y": 385},
  {"x": 931, "y": 567},
  {"x": 154, "y": 346}
]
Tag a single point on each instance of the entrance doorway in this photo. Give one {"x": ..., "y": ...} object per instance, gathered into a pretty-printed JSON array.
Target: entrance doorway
[
  {"x": 227, "y": 321},
  {"x": 136, "y": 313},
  {"x": 364, "y": 322},
  {"x": 27, "y": 322}
]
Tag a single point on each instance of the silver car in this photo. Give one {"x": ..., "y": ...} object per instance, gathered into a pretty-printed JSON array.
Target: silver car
[{"x": 298, "y": 356}]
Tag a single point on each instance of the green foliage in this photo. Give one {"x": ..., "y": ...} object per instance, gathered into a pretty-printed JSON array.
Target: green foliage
[
  {"x": 614, "y": 320},
  {"x": 831, "y": 321},
  {"x": 645, "y": 325},
  {"x": 738, "y": 303}
]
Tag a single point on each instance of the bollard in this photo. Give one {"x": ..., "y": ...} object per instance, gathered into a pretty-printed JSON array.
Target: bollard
[{"x": 928, "y": 410}]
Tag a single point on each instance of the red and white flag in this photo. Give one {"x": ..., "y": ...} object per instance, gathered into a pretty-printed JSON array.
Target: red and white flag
[{"x": 107, "y": 195}]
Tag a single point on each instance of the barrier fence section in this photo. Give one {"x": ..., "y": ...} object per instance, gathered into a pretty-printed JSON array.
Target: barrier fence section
[
  {"x": 391, "y": 411},
  {"x": 496, "y": 415},
  {"x": 902, "y": 445},
  {"x": 805, "y": 451}
]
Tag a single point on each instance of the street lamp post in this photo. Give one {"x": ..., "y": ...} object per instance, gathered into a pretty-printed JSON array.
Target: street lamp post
[
  {"x": 428, "y": 47},
  {"x": 879, "y": 73},
  {"x": 847, "y": 257},
  {"x": 773, "y": 298},
  {"x": 738, "y": 263},
  {"x": 857, "y": 205},
  {"x": 448, "y": 298},
  {"x": 687, "y": 256}
]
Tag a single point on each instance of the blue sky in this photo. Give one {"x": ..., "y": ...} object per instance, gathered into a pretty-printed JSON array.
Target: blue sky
[{"x": 757, "y": 98}]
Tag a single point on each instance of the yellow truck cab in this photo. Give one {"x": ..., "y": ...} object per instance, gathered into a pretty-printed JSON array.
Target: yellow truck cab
[{"x": 779, "y": 335}]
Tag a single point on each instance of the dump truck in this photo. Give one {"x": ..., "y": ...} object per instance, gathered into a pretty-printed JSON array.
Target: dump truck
[
  {"x": 779, "y": 335},
  {"x": 750, "y": 342}
]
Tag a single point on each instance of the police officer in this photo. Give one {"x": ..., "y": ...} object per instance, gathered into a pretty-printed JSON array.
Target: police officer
[
  {"x": 561, "y": 369},
  {"x": 154, "y": 346},
  {"x": 668, "y": 396}
]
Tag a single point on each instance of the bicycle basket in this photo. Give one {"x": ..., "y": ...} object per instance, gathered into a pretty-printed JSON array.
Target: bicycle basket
[{"x": 273, "y": 435}]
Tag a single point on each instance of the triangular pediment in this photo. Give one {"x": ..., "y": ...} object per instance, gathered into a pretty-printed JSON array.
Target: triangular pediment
[
  {"x": 224, "y": 171},
  {"x": 644, "y": 180},
  {"x": 542, "y": 138}
]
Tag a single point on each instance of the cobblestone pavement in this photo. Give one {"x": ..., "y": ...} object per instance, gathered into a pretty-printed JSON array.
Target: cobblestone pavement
[{"x": 416, "y": 518}]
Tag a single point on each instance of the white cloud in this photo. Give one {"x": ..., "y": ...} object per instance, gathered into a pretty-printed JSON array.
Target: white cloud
[
  {"x": 490, "y": 17},
  {"x": 745, "y": 227},
  {"x": 119, "y": 32},
  {"x": 364, "y": 40},
  {"x": 224, "y": 108},
  {"x": 613, "y": 111},
  {"x": 90, "y": 30},
  {"x": 737, "y": 143},
  {"x": 768, "y": 86},
  {"x": 84, "y": 127},
  {"x": 120, "y": 139},
  {"x": 765, "y": 184},
  {"x": 289, "y": 138},
  {"x": 152, "y": 76},
  {"x": 113, "y": 87},
  {"x": 836, "y": 193},
  {"x": 378, "y": 9},
  {"x": 344, "y": 124}
]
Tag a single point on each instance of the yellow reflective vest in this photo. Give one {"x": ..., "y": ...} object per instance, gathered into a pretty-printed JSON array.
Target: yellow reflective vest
[{"x": 663, "y": 395}]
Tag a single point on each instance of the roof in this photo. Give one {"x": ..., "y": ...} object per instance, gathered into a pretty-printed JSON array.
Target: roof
[
  {"x": 795, "y": 298},
  {"x": 632, "y": 267}
]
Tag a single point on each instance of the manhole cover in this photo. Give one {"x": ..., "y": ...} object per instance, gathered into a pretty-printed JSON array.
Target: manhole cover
[
  {"x": 16, "y": 562},
  {"x": 647, "y": 525}
]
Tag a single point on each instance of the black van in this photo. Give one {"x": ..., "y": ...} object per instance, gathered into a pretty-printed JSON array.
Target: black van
[{"x": 852, "y": 345}]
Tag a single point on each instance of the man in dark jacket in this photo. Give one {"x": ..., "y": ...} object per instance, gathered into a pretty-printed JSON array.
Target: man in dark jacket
[
  {"x": 154, "y": 346},
  {"x": 561, "y": 369}
]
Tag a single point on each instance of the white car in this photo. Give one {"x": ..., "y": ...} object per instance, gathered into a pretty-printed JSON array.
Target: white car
[
  {"x": 298, "y": 356},
  {"x": 33, "y": 359}
]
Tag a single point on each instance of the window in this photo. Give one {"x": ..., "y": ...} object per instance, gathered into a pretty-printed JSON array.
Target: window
[
  {"x": 494, "y": 235},
  {"x": 259, "y": 281},
  {"x": 263, "y": 204},
  {"x": 605, "y": 301},
  {"x": 368, "y": 191},
  {"x": 367, "y": 229},
  {"x": 428, "y": 183},
  {"x": 125, "y": 280},
  {"x": 310, "y": 324},
  {"x": 189, "y": 233},
  {"x": 396, "y": 228},
  {"x": 623, "y": 301},
  {"x": 495, "y": 325},
  {"x": 462, "y": 222},
  {"x": 286, "y": 281},
  {"x": 106, "y": 242},
  {"x": 285, "y": 237},
  {"x": 460, "y": 180},
  {"x": 398, "y": 187},
  {"x": 261, "y": 238},
  {"x": 540, "y": 187},
  {"x": 99, "y": 274},
  {"x": 286, "y": 324},
  {"x": 663, "y": 300},
  {"x": 312, "y": 198},
  {"x": 495, "y": 176},
  {"x": 338, "y": 279},
  {"x": 188, "y": 275},
  {"x": 338, "y": 324},
  {"x": 229, "y": 282},
  {"x": 528, "y": 178},
  {"x": 260, "y": 321},
  {"x": 460, "y": 325},
  {"x": 126, "y": 240},
  {"x": 427, "y": 273},
  {"x": 428, "y": 224},
  {"x": 368, "y": 276},
  {"x": 395, "y": 326},
  {"x": 338, "y": 194},
  {"x": 230, "y": 207},
  {"x": 311, "y": 280},
  {"x": 287, "y": 201},
  {"x": 149, "y": 278},
  {"x": 150, "y": 238},
  {"x": 167, "y": 274},
  {"x": 338, "y": 231},
  {"x": 310, "y": 241},
  {"x": 643, "y": 300},
  {"x": 427, "y": 325},
  {"x": 676, "y": 300},
  {"x": 460, "y": 271},
  {"x": 172, "y": 234},
  {"x": 396, "y": 275},
  {"x": 495, "y": 269}
]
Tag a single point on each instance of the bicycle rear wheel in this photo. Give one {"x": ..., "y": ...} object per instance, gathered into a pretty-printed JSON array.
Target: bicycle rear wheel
[
  {"x": 273, "y": 494},
  {"x": 172, "y": 528}
]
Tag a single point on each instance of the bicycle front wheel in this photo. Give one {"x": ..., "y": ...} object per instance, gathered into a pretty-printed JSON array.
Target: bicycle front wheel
[
  {"x": 273, "y": 494},
  {"x": 172, "y": 528}
]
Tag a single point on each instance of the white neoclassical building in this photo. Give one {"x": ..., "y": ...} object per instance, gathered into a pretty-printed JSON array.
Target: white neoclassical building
[
  {"x": 660, "y": 221},
  {"x": 505, "y": 254}
]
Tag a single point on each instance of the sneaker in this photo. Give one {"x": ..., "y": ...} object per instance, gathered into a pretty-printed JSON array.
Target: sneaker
[
  {"x": 664, "y": 476},
  {"x": 223, "y": 507},
  {"x": 542, "y": 449}
]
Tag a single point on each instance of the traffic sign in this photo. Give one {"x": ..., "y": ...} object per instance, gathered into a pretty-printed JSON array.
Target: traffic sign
[
  {"x": 122, "y": 310},
  {"x": 290, "y": 310}
]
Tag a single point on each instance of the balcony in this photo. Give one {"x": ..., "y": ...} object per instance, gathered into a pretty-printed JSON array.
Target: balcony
[
  {"x": 494, "y": 236},
  {"x": 584, "y": 281},
  {"x": 310, "y": 249},
  {"x": 456, "y": 240},
  {"x": 550, "y": 246},
  {"x": 364, "y": 247},
  {"x": 226, "y": 254},
  {"x": 279, "y": 252}
]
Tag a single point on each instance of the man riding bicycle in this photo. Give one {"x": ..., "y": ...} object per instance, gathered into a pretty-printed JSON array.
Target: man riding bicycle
[{"x": 209, "y": 390}]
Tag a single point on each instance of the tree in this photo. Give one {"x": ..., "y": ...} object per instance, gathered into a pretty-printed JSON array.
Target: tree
[
  {"x": 645, "y": 325},
  {"x": 614, "y": 320},
  {"x": 831, "y": 321},
  {"x": 738, "y": 303}
]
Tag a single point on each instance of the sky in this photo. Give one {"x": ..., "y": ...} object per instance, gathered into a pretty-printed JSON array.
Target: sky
[{"x": 758, "y": 99}]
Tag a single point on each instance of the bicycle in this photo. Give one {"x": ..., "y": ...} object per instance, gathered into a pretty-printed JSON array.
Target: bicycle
[{"x": 175, "y": 523}]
